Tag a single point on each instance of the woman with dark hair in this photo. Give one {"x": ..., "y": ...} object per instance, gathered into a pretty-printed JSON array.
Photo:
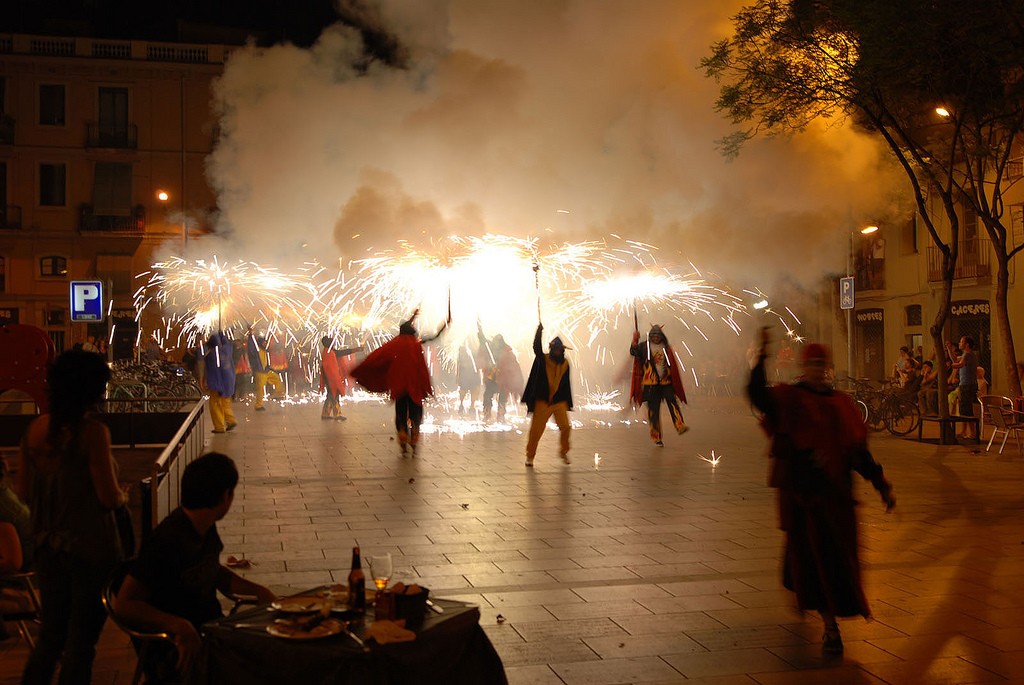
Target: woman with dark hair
[{"x": 68, "y": 478}]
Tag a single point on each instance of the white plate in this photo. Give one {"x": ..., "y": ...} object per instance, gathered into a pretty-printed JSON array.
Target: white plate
[
  {"x": 286, "y": 628},
  {"x": 308, "y": 604}
]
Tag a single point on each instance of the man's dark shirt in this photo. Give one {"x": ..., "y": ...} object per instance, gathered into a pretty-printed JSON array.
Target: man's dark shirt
[{"x": 181, "y": 569}]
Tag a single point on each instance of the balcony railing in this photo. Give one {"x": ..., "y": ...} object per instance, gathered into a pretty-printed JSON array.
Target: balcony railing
[
  {"x": 869, "y": 272},
  {"x": 91, "y": 222},
  {"x": 6, "y": 129},
  {"x": 121, "y": 137},
  {"x": 974, "y": 260},
  {"x": 10, "y": 217}
]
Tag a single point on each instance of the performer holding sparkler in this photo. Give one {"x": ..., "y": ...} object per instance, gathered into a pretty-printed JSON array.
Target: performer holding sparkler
[
  {"x": 656, "y": 379},
  {"x": 548, "y": 394},
  {"x": 332, "y": 378},
  {"x": 501, "y": 373},
  {"x": 399, "y": 369},
  {"x": 259, "y": 361},
  {"x": 818, "y": 440}
]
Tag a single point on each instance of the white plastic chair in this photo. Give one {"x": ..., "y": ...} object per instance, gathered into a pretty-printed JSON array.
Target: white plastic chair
[{"x": 1004, "y": 422}]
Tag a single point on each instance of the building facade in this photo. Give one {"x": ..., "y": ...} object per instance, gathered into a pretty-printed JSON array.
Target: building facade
[
  {"x": 898, "y": 282},
  {"x": 91, "y": 132}
]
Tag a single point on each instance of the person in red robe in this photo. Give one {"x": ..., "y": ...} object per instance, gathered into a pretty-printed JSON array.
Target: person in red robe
[
  {"x": 334, "y": 371},
  {"x": 399, "y": 369},
  {"x": 818, "y": 439},
  {"x": 655, "y": 380}
]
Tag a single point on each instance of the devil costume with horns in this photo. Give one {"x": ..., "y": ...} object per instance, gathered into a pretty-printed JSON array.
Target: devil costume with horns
[{"x": 656, "y": 379}]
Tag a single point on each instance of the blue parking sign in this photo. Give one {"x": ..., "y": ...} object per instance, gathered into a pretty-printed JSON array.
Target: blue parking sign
[
  {"x": 86, "y": 301},
  {"x": 846, "y": 293}
]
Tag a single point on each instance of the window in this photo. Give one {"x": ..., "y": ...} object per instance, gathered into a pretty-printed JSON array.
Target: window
[
  {"x": 914, "y": 317},
  {"x": 112, "y": 189},
  {"x": 51, "y": 105},
  {"x": 1016, "y": 224},
  {"x": 53, "y": 266},
  {"x": 52, "y": 184},
  {"x": 55, "y": 316},
  {"x": 113, "y": 109}
]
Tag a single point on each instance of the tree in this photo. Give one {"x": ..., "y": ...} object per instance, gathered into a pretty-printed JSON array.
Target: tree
[{"x": 887, "y": 66}]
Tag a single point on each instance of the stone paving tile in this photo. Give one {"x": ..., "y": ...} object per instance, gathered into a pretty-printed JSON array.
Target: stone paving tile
[
  {"x": 631, "y": 646},
  {"x": 573, "y": 629},
  {"x": 735, "y": 661},
  {"x": 532, "y": 675},
  {"x": 933, "y": 671},
  {"x": 668, "y": 623},
  {"x": 611, "y": 671}
]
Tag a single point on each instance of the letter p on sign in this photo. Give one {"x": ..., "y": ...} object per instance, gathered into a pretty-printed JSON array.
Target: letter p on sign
[{"x": 86, "y": 301}]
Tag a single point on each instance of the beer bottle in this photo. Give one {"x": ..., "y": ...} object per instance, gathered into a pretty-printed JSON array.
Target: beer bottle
[{"x": 357, "y": 584}]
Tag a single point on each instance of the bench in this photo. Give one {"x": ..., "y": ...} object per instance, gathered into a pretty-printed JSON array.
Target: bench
[{"x": 949, "y": 421}]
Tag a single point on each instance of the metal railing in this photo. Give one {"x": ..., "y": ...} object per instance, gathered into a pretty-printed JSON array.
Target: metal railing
[
  {"x": 121, "y": 137},
  {"x": 89, "y": 221},
  {"x": 161, "y": 492},
  {"x": 974, "y": 260}
]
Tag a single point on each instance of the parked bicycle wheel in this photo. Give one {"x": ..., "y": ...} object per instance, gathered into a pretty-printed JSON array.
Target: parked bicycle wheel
[{"x": 902, "y": 416}]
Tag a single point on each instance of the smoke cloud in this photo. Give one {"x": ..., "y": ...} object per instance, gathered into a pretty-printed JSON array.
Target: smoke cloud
[{"x": 563, "y": 119}]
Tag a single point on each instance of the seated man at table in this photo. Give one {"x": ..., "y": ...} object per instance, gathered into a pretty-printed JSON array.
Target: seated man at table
[{"x": 172, "y": 586}]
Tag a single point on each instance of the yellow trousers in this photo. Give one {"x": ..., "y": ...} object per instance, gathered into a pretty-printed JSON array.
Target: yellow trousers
[
  {"x": 221, "y": 413},
  {"x": 542, "y": 411},
  {"x": 262, "y": 381}
]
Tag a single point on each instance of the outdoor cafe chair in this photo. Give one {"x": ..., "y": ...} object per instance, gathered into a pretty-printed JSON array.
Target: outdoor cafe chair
[
  {"x": 1004, "y": 421},
  {"x": 19, "y": 602}
]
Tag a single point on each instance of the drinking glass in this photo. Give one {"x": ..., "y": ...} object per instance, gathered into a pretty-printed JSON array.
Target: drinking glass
[{"x": 380, "y": 569}]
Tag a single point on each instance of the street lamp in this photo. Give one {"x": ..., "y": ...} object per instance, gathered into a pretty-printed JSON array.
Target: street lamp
[
  {"x": 867, "y": 230},
  {"x": 163, "y": 196}
]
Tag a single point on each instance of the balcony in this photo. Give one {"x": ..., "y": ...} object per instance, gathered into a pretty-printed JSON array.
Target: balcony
[
  {"x": 974, "y": 261},
  {"x": 10, "y": 218},
  {"x": 869, "y": 272},
  {"x": 6, "y": 129},
  {"x": 92, "y": 222},
  {"x": 118, "y": 137}
]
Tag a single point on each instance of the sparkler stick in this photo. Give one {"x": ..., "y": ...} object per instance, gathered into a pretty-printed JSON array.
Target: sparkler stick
[{"x": 536, "y": 284}]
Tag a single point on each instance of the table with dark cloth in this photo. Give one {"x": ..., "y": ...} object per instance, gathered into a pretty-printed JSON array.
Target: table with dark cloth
[{"x": 449, "y": 649}]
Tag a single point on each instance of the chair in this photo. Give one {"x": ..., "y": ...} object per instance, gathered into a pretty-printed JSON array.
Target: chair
[
  {"x": 142, "y": 640},
  {"x": 1002, "y": 424},
  {"x": 20, "y": 603}
]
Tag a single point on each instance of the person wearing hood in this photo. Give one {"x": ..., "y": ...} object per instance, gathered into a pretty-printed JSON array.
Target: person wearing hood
[
  {"x": 501, "y": 373},
  {"x": 818, "y": 439},
  {"x": 259, "y": 360},
  {"x": 548, "y": 394},
  {"x": 399, "y": 368},
  {"x": 219, "y": 381},
  {"x": 656, "y": 379}
]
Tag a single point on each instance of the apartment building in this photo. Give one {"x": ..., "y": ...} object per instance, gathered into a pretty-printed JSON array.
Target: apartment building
[
  {"x": 897, "y": 272},
  {"x": 102, "y": 152}
]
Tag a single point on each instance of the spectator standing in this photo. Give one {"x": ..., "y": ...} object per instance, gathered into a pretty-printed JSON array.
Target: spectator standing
[
  {"x": 68, "y": 478},
  {"x": 967, "y": 368}
]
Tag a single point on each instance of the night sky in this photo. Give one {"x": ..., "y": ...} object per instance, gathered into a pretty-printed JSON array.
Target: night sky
[{"x": 268, "y": 21}]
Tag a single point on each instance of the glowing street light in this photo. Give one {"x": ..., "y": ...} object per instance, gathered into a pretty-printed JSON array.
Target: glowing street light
[
  {"x": 163, "y": 196},
  {"x": 942, "y": 112}
]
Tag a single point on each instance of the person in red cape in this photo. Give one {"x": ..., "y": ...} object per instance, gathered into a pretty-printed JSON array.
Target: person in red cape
[
  {"x": 399, "y": 369},
  {"x": 655, "y": 380},
  {"x": 333, "y": 373},
  {"x": 818, "y": 438}
]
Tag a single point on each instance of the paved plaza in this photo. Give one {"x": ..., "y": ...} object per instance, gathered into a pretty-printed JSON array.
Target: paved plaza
[{"x": 634, "y": 564}]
